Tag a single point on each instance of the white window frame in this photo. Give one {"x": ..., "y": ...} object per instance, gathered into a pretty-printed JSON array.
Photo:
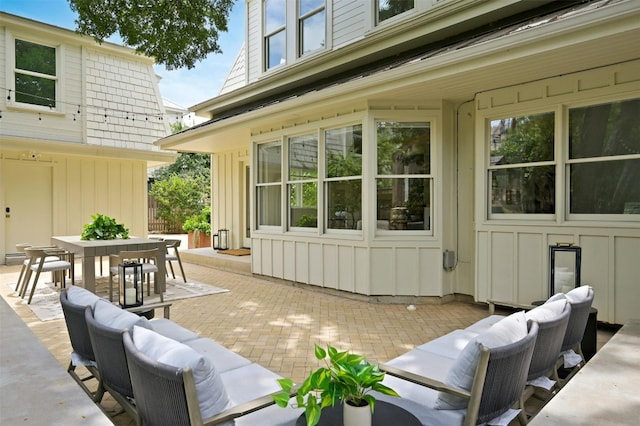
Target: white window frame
[
  {"x": 288, "y": 182},
  {"x": 301, "y": 20},
  {"x": 266, "y": 36},
  {"x": 258, "y": 226}
]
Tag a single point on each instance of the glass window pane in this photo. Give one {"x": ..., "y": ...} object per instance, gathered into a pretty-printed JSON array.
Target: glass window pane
[
  {"x": 274, "y": 15},
  {"x": 605, "y": 187},
  {"x": 269, "y": 205},
  {"x": 35, "y": 57},
  {"x": 35, "y": 90},
  {"x": 403, "y": 204},
  {"x": 303, "y": 200},
  {"x": 344, "y": 204},
  {"x": 403, "y": 148},
  {"x": 390, "y": 8},
  {"x": 303, "y": 157},
  {"x": 276, "y": 50},
  {"x": 313, "y": 29},
  {"x": 605, "y": 130},
  {"x": 343, "y": 149},
  {"x": 523, "y": 190},
  {"x": 524, "y": 139},
  {"x": 307, "y": 6},
  {"x": 269, "y": 163}
]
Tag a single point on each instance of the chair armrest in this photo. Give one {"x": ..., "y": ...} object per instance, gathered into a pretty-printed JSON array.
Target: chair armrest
[
  {"x": 142, "y": 308},
  {"x": 241, "y": 410},
  {"x": 424, "y": 381}
]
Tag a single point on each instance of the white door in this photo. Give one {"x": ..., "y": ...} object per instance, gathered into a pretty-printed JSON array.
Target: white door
[{"x": 28, "y": 204}]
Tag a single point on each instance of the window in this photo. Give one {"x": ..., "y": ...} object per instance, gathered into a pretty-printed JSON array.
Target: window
[
  {"x": 521, "y": 165},
  {"x": 390, "y": 8},
  {"x": 311, "y": 25},
  {"x": 604, "y": 158},
  {"x": 303, "y": 181},
  {"x": 275, "y": 33},
  {"x": 403, "y": 179},
  {"x": 269, "y": 186},
  {"x": 35, "y": 74},
  {"x": 343, "y": 177}
]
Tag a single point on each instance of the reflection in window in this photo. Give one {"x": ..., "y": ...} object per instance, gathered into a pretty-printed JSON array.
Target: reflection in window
[
  {"x": 274, "y": 33},
  {"x": 403, "y": 181},
  {"x": 604, "y": 157},
  {"x": 390, "y": 8},
  {"x": 35, "y": 74},
  {"x": 343, "y": 183},
  {"x": 303, "y": 181},
  {"x": 311, "y": 25},
  {"x": 521, "y": 169},
  {"x": 268, "y": 187}
]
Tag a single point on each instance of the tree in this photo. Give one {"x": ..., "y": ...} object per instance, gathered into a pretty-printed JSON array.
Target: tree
[
  {"x": 177, "y": 33},
  {"x": 178, "y": 198}
]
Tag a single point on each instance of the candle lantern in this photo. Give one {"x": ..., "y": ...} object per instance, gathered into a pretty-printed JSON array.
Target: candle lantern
[
  {"x": 130, "y": 284},
  {"x": 564, "y": 268},
  {"x": 221, "y": 240}
]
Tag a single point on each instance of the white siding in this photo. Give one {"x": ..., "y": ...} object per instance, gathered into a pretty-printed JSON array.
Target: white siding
[
  {"x": 348, "y": 21},
  {"x": 254, "y": 40}
]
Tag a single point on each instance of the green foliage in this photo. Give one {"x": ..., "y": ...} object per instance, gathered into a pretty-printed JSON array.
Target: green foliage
[
  {"x": 176, "y": 33},
  {"x": 188, "y": 164},
  {"x": 199, "y": 222},
  {"x": 179, "y": 197},
  {"x": 346, "y": 378},
  {"x": 103, "y": 228},
  {"x": 307, "y": 221}
]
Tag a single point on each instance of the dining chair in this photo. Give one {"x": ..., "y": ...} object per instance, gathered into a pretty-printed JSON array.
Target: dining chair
[
  {"x": 148, "y": 259},
  {"x": 38, "y": 263},
  {"x": 174, "y": 255}
]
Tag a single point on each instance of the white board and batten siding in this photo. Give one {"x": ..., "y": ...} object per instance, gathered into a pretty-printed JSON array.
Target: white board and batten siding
[{"x": 512, "y": 255}]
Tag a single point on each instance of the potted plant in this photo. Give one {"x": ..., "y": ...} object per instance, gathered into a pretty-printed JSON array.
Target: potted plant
[
  {"x": 347, "y": 378},
  {"x": 198, "y": 227},
  {"x": 103, "y": 228}
]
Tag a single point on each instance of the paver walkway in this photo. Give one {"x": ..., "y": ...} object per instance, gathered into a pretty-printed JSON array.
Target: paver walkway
[{"x": 276, "y": 324}]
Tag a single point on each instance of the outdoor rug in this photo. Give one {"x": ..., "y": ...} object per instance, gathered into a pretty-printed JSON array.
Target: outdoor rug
[{"x": 46, "y": 300}]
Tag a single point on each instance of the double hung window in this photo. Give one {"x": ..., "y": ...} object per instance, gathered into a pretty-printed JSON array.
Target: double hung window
[
  {"x": 403, "y": 178},
  {"x": 302, "y": 184},
  {"x": 389, "y": 8},
  {"x": 275, "y": 34},
  {"x": 311, "y": 25},
  {"x": 35, "y": 74},
  {"x": 269, "y": 185}
]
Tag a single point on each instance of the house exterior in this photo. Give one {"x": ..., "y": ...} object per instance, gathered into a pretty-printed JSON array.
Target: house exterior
[
  {"x": 78, "y": 124},
  {"x": 427, "y": 149}
]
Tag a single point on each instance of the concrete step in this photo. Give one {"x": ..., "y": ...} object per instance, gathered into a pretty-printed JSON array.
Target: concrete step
[{"x": 213, "y": 259}]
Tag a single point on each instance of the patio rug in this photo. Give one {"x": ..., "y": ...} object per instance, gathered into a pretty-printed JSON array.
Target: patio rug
[
  {"x": 236, "y": 252},
  {"x": 46, "y": 299}
]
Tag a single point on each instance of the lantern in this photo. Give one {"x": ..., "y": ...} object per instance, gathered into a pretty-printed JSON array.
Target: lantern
[
  {"x": 130, "y": 284},
  {"x": 221, "y": 240},
  {"x": 564, "y": 268}
]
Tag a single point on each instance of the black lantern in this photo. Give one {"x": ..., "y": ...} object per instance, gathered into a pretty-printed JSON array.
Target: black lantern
[
  {"x": 221, "y": 240},
  {"x": 130, "y": 284},
  {"x": 564, "y": 268}
]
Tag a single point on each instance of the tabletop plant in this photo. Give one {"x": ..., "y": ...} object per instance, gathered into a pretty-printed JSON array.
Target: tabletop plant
[
  {"x": 103, "y": 228},
  {"x": 347, "y": 378}
]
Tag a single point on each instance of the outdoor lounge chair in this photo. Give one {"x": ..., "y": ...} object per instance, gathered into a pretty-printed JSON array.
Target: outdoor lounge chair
[
  {"x": 498, "y": 381},
  {"x": 167, "y": 395},
  {"x": 81, "y": 344}
]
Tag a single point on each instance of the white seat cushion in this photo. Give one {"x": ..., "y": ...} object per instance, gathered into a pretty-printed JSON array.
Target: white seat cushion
[
  {"x": 54, "y": 265},
  {"x": 249, "y": 382},
  {"x": 450, "y": 345},
  {"x": 212, "y": 396},
  {"x": 170, "y": 329},
  {"x": 147, "y": 268},
  {"x": 222, "y": 358}
]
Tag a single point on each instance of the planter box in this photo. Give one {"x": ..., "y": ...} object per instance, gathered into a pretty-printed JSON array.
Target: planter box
[{"x": 204, "y": 240}]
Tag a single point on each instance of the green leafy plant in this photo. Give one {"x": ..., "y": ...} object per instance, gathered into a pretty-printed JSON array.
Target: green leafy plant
[
  {"x": 347, "y": 378},
  {"x": 103, "y": 228},
  {"x": 200, "y": 222}
]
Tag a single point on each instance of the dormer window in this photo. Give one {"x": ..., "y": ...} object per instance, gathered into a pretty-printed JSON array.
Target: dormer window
[
  {"x": 35, "y": 74},
  {"x": 389, "y": 8},
  {"x": 311, "y": 24},
  {"x": 275, "y": 33}
]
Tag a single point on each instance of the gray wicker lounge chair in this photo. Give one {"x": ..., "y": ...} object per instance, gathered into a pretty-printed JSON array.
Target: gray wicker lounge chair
[
  {"x": 81, "y": 345},
  {"x": 499, "y": 380},
  {"x": 166, "y": 395}
]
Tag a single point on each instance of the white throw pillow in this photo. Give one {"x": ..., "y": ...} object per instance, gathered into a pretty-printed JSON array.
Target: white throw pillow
[
  {"x": 112, "y": 316},
  {"x": 548, "y": 311},
  {"x": 580, "y": 294},
  {"x": 212, "y": 396},
  {"x": 557, "y": 296},
  {"x": 506, "y": 331},
  {"x": 80, "y": 296}
]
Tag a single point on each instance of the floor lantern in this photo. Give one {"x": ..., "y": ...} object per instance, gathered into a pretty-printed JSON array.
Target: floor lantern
[{"x": 130, "y": 284}]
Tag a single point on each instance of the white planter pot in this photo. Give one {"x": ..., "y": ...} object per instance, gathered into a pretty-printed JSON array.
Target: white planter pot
[{"x": 356, "y": 416}]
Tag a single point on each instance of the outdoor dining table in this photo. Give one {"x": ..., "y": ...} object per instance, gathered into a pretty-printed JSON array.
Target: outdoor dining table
[{"x": 89, "y": 249}]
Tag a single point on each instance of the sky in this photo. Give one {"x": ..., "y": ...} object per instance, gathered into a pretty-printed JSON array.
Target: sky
[{"x": 182, "y": 86}]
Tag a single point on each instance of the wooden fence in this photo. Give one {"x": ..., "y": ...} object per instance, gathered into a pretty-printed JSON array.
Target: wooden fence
[{"x": 160, "y": 226}]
